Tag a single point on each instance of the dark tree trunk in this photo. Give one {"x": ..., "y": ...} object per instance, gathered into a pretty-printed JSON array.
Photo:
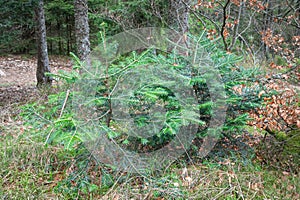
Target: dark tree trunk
[
  {"x": 60, "y": 45},
  {"x": 42, "y": 57},
  {"x": 82, "y": 29},
  {"x": 267, "y": 17},
  {"x": 68, "y": 34}
]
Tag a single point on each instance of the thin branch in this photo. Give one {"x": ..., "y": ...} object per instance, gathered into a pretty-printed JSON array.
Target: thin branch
[
  {"x": 196, "y": 14},
  {"x": 60, "y": 115},
  {"x": 64, "y": 105}
]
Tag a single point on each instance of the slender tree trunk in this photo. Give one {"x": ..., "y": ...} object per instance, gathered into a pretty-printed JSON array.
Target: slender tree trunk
[
  {"x": 223, "y": 29},
  {"x": 68, "y": 34},
  {"x": 50, "y": 44},
  {"x": 42, "y": 57},
  {"x": 267, "y": 23},
  {"x": 82, "y": 29},
  {"x": 236, "y": 26},
  {"x": 179, "y": 21},
  {"x": 179, "y": 15},
  {"x": 60, "y": 45}
]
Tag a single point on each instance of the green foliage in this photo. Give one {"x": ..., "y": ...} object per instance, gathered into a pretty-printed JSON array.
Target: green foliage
[
  {"x": 63, "y": 126},
  {"x": 279, "y": 61},
  {"x": 59, "y": 16},
  {"x": 53, "y": 120},
  {"x": 17, "y": 26},
  {"x": 291, "y": 142},
  {"x": 233, "y": 76}
]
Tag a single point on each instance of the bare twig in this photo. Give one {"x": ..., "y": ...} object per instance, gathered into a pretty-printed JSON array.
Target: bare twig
[{"x": 60, "y": 115}]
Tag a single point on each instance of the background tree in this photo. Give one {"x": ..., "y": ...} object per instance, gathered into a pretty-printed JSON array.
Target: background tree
[
  {"x": 82, "y": 28},
  {"x": 17, "y": 26},
  {"x": 42, "y": 55},
  {"x": 179, "y": 15},
  {"x": 60, "y": 26}
]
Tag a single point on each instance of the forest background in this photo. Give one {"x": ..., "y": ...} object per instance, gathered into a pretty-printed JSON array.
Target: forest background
[{"x": 256, "y": 46}]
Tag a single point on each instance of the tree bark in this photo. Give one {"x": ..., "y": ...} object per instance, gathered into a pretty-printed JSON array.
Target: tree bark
[
  {"x": 267, "y": 24},
  {"x": 82, "y": 29},
  {"x": 223, "y": 29},
  {"x": 236, "y": 26},
  {"x": 42, "y": 56},
  {"x": 179, "y": 15},
  {"x": 179, "y": 21}
]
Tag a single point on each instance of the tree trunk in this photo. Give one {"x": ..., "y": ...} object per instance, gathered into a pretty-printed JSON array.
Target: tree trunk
[
  {"x": 82, "y": 29},
  {"x": 236, "y": 26},
  {"x": 267, "y": 24},
  {"x": 179, "y": 15},
  {"x": 179, "y": 21},
  {"x": 42, "y": 57},
  {"x": 68, "y": 34}
]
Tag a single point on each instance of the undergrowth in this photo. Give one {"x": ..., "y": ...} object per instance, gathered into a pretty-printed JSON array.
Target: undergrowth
[
  {"x": 31, "y": 170},
  {"x": 46, "y": 158}
]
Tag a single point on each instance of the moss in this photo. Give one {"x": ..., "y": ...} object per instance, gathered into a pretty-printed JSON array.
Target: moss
[
  {"x": 298, "y": 61},
  {"x": 292, "y": 145},
  {"x": 281, "y": 136},
  {"x": 280, "y": 61}
]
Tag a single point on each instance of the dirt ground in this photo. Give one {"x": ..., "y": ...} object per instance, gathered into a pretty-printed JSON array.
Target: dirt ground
[
  {"x": 18, "y": 81},
  {"x": 17, "y": 76}
]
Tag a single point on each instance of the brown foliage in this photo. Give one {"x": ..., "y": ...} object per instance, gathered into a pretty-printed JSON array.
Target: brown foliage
[{"x": 281, "y": 111}]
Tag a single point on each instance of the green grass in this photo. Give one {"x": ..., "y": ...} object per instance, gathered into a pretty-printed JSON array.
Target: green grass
[{"x": 30, "y": 170}]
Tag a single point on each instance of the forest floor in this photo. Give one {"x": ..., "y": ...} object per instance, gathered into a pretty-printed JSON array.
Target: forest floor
[
  {"x": 18, "y": 79},
  {"x": 28, "y": 170}
]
